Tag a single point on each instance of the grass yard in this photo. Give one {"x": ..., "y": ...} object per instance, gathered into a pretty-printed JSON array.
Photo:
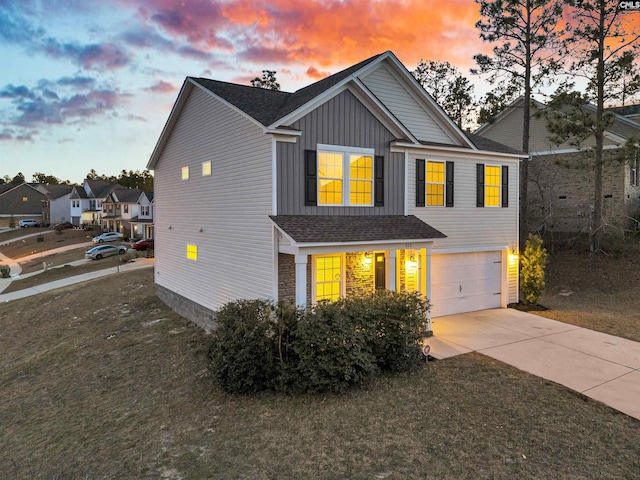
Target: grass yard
[{"x": 101, "y": 380}]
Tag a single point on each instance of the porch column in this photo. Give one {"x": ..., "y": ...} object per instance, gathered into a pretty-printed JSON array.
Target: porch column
[
  {"x": 392, "y": 270},
  {"x": 427, "y": 287},
  {"x": 301, "y": 280}
]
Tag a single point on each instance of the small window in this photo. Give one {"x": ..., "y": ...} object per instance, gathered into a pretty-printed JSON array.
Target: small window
[
  {"x": 206, "y": 169},
  {"x": 25, "y": 199},
  {"x": 126, "y": 209},
  {"x": 185, "y": 173},
  {"x": 192, "y": 252}
]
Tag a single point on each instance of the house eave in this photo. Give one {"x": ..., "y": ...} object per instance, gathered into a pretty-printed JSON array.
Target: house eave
[{"x": 401, "y": 147}]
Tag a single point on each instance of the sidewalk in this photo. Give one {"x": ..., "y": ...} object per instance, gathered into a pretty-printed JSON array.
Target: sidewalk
[
  {"x": 138, "y": 263},
  {"x": 600, "y": 366}
]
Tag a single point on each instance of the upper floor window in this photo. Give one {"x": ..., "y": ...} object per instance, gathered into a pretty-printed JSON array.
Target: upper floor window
[
  {"x": 343, "y": 176},
  {"x": 126, "y": 209},
  {"x": 144, "y": 210},
  {"x": 634, "y": 172},
  {"x": 492, "y": 189},
  {"x": 192, "y": 252},
  {"x": 434, "y": 183},
  {"x": 185, "y": 173},
  {"x": 25, "y": 199},
  {"x": 206, "y": 168}
]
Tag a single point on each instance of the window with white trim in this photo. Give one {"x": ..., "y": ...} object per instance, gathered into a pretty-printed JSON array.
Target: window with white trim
[
  {"x": 435, "y": 183},
  {"x": 328, "y": 277},
  {"x": 206, "y": 168},
  {"x": 633, "y": 163},
  {"x": 492, "y": 185},
  {"x": 185, "y": 173},
  {"x": 345, "y": 176}
]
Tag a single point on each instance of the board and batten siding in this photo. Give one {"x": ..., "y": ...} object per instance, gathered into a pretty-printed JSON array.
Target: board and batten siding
[
  {"x": 225, "y": 214},
  {"x": 342, "y": 121},
  {"x": 403, "y": 105}
]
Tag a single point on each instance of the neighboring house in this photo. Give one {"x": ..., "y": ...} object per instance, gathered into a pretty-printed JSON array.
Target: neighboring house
[
  {"x": 86, "y": 202},
  {"x": 55, "y": 205},
  {"x": 354, "y": 183},
  {"x": 142, "y": 224},
  {"x": 561, "y": 179},
  {"x": 119, "y": 207},
  {"x": 632, "y": 112},
  {"x": 18, "y": 202}
]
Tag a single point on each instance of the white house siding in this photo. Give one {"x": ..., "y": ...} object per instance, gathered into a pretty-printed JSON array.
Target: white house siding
[
  {"x": 231, "y": 206},
  {"x": 403, "y": 105},
  {"x": 60, "y": 210},
  {"x": 485, "y": 231}
]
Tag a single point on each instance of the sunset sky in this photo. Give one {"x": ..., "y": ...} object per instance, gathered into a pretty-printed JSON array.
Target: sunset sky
[{"x": 87, "y": 84}]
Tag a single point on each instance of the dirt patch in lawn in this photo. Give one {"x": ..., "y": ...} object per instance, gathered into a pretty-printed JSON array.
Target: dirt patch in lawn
[
  {"x": 101, "y": 380},
  {"x": 50, "y": 240},
  {"x": 600, "y": 292}
]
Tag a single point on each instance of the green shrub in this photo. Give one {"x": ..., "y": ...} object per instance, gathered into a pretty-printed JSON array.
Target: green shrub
[
  {"x": 260, "y": 346},
  {"x": 332, "y": 349},
  {"x": 534, "y": 260},
  {"x": 400, "y": 324},
  {"x": 242, "y": 353}
]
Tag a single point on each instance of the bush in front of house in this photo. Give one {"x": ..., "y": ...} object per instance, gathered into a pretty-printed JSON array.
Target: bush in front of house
[
  {"x": 261, "y": 346},
  {"x": 534, "y": 261}
]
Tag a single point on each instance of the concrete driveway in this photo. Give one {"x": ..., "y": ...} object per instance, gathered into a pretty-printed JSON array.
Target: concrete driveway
[{"x": 600, "y": 366}]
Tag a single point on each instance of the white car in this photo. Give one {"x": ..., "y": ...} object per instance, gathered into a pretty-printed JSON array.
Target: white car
[
  {"x": 96, "y": 253},
  {"x": 28, "y": 223},
  {"x": 107, "y": 237}
]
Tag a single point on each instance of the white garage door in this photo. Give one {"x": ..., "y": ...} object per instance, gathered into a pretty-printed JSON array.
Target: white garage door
[{"x": 465, "y": 282}]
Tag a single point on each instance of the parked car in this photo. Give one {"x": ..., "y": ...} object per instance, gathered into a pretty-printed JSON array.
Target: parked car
[
  {"x": 107, "y": 237},
  {"x": 63, "y": 226},
  {"x": 28, "y": 223},
  {"x": 101, "y": 251},
  {"x": 143, "y": 244}
]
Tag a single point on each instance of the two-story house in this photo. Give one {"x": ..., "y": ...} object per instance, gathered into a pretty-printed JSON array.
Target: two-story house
[
  {"x": 56, "y": 204},
  {"x": 86, "y": 202},
  {"x": 120, "y": 206},
  {"x": 354, "y": 183},
  {"x": 142, "y": 223},
  {"x": 20, "y": 202},
  {"x": 561, "y": 177}
]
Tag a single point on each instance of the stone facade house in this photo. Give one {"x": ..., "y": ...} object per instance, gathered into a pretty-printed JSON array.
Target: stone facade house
[{"x": 354, "y": 183}]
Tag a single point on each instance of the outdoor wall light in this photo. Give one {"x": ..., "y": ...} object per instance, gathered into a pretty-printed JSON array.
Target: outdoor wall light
[
  {"x": 169, "y": 227},
  {"x": 201, "y": 229}
]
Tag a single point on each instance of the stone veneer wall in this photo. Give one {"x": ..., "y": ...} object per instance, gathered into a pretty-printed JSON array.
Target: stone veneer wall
[
  {"x": 201, "y": 316},
  {"x": 561, "y": 187},
  {"x": 360, "y": 276}
]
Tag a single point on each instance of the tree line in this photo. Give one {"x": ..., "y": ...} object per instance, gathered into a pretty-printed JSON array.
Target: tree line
[{"x": 130, "y": 179}]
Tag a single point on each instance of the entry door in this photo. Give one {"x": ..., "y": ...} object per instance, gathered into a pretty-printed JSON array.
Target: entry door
[{"x": 381, "y": 271}]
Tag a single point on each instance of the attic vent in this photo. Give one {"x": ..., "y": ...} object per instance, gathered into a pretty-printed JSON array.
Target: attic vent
[
  {"x": 562, "y": 197},
  {"x": 608, "y": 196}
]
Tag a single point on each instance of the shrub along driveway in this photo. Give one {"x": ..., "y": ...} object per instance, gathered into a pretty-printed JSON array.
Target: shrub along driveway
[{"x": 598, "y": 365}]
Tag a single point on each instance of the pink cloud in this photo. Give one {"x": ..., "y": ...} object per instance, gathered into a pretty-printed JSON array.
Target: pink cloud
[{"x": 161, "y": 87}]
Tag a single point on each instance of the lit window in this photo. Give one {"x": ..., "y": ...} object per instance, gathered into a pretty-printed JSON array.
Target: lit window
[
  {"x": 345, "y": 176},
  {"x": 206, "y": 169},
  {"x": 360, "y": 179},
  {"x": 328, "y": 277},
  {"x": 435, "y": 183},
  {"x": 491, "y": 186},
  {"x": 25, "y": 199},
  {"x": 330, "y": 178},
  {"x": 192, "y": 252},
  {"x": 185, "y": 173}
]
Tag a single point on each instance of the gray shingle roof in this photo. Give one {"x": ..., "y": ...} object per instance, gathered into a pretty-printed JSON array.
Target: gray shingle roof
[
  {"x": 483, "y": 143},
  {"x": 267, "y": 106},
  {"x": 352, "y": 228}
]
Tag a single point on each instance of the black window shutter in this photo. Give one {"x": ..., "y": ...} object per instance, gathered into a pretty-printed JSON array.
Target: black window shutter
[
  {"x": 311, "y": 178},
  {"x": 378, "y": 184},
  {"x": 480, "y": 185},
  {"x": 449, "y": 184},
  {"x": 505, "y": 186},
  {"x": 420, "y": 185}
]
